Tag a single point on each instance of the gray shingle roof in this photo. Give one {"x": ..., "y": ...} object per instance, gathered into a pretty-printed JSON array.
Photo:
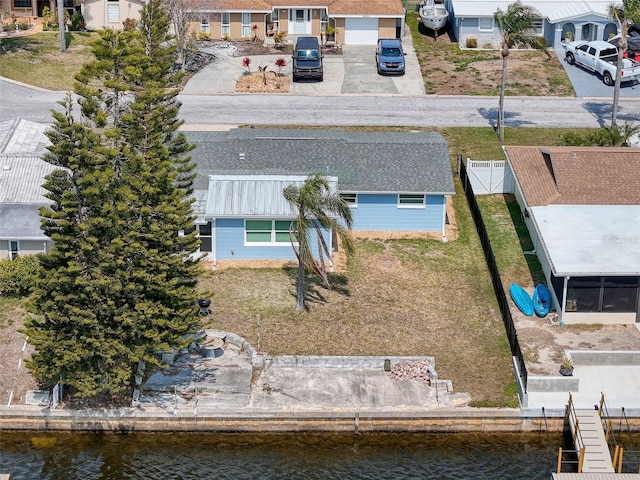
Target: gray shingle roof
[{"x": 363, "y": 162}]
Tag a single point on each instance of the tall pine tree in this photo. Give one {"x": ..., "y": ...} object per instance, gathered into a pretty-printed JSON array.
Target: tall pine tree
[{"x": 118, "y": 285}]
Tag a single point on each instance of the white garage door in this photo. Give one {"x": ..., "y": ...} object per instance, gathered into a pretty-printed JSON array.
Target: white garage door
[{"x": 361, "y": 31}]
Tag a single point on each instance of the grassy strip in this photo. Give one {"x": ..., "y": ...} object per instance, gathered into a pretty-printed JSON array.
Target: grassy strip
[{"x": 37, "y": 60}]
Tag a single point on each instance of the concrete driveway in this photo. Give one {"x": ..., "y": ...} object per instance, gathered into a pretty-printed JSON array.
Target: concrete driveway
[
  {"x": 353, "y": 72},
  {"x": 589, "y": 84}
]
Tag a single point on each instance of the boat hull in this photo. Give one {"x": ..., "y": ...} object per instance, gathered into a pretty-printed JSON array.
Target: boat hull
[
  {"x": 434, "y": 22},
  {"x": 434, "y": 16},
  {"x": 522, "y": 299},
  {"x": 541, "y": 300}
]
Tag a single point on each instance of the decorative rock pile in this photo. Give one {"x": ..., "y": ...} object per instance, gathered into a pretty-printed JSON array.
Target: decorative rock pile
[{"x": 417, "y": 371}]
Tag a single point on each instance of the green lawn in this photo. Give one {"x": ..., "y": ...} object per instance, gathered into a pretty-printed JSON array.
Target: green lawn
[{"x": 37, "y": 60}]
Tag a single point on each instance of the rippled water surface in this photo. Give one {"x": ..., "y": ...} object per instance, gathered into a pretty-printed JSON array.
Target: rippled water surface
[{"x": 37, "y": 455}]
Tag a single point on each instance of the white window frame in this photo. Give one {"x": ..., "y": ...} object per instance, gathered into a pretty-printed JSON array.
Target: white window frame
[
  {"x": 486, "y": 19},
  {"x": 225, "y": 24},
  {"x": 410, "y": 204},
  {"x": 113, "y": 12},
  {"x": 538, "y": 27},
  {"x": 351, "y": 199},
  {"x": 273, "y": 233},
  {"x": 204, "y": 223},
  {"x": 246, "y": 27},
  {"x": 205, "y": 26},
  {"x": 13, "y": 253}
]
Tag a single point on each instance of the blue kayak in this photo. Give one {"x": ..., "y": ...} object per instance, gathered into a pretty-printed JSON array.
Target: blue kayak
[
  {"x": 541, "y": 300},
  {"x": 522, "y": 299}
]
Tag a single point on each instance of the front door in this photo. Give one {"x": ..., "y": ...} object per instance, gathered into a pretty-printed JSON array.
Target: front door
[{"x": 299, "y": 21}]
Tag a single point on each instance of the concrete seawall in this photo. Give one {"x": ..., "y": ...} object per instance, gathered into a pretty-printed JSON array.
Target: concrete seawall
[{"x": 454, "y": 420}]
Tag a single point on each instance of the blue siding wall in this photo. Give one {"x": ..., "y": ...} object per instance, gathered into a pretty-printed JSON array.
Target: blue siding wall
[
  {"x": 229, "y": 236},
  {"x": 381, "y": 212}
]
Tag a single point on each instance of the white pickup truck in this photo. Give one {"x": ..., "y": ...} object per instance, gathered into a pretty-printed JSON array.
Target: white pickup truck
[{"x": 601, "y": 57}]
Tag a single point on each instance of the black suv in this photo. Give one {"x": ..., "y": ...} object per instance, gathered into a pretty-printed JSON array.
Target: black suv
[{"x": 307, "y": 59}]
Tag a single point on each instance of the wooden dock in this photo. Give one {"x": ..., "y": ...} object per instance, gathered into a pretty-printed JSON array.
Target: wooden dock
[
  {"x": 587, "y": 432},
  {"x": 596, "y": 476}
]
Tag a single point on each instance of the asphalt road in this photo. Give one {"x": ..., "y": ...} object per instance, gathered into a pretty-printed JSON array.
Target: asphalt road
[{"x": 439, "y": 111}]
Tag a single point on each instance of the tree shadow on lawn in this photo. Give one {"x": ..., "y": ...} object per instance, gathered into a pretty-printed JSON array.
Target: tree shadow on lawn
[{"x": 315, "y": 287}]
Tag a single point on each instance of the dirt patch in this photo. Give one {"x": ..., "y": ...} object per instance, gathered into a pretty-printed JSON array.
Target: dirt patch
[
  {"x": 270, "y": 82},
  {"x": 449, "y": 70},
  {"x": 15, "y": 379},
  {"x": 544, "y": 344}
]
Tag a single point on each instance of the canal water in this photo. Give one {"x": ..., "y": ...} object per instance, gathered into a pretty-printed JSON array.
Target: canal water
[{"x": 86, "y": 456}]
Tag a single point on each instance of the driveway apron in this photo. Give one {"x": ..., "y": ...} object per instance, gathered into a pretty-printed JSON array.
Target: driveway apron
[
  {"x": 360, "y": 74},
  {"x": 589, "y": 84}
]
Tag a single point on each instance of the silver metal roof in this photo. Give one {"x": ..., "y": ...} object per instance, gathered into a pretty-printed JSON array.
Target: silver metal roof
[
  {"x": 21, "y": 178},
  {"x": 590, "y": 239},
  {"x": 553, "y": 10},
  {"x": 253, "y": 195},
  {"x": 22, "y": 136}
]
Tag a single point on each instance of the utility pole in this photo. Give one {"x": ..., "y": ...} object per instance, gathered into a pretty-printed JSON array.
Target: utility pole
[{"x": 63, "y": 41}]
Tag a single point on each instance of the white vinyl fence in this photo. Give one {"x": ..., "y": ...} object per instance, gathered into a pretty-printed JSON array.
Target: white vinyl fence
[{"x": 490, "y": 176}]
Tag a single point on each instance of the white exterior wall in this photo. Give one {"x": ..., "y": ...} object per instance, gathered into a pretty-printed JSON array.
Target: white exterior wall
[{"x": 26, "y": 247}]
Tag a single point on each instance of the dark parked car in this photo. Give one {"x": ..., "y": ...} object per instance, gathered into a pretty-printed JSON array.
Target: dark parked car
[
  {"x": 390, "y": 56},
  {"x": 307, "y": 59}
]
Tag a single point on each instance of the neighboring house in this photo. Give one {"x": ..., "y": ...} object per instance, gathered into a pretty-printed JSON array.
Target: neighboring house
[
  {"x": 396, "y": 183},
  {"x": 34, "y": 8},
  {"x": 582, "y": 19},
  {"x": 582, "y": 208},
  {"x": 22, "y": 173},
  {"x": 355, "y": 21}
]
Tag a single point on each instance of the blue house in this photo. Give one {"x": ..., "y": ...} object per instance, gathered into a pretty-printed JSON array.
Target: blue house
[
  {"x": 560, "y": 20},
  {"x": 396, "y": 184}
]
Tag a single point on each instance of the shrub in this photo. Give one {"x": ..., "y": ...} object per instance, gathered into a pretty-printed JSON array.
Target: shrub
[
  {"x": 77, "y": 22},
  {"x": 16, "y": 276},
  {"x": 129, "y": 24},
  {"x": 204, "y": 36},
  {"x": 471, "y": 43}
]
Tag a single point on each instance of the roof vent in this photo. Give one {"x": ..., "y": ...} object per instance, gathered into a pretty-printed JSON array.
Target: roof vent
[
  {"x": 6, "y": 168},
  {"x": 241, "y": 155}
]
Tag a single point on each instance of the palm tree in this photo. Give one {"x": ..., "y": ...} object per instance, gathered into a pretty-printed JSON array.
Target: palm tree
[
  {"x": 624, "y": 14},
  {"x": 516, "y": 25},
  {"x": 318, "y": 209}
]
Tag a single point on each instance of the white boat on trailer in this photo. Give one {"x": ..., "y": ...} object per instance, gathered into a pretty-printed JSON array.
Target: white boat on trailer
[{"x": 434, "y": 14}]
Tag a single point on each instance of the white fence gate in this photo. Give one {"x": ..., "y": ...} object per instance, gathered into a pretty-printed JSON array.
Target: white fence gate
[{"x": 490, "y": 176}]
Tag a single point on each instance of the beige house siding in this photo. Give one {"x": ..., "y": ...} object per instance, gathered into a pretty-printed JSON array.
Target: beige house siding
[
  {"x": 387, "y": 28},
  {"x": 339, "y": 24},
  {"x": 95, "y": 13}
]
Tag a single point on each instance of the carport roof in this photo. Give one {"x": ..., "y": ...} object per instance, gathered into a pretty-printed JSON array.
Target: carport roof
[
  {"x": 554, "y": 10},
  {"x": 587, "y": 240},
  {"x": 362, "y": 162},
  {"x": 254, "y": 195}
]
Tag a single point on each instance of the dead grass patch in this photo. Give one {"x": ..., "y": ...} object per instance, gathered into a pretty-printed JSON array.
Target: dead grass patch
[{"x": 411, "y": 296}]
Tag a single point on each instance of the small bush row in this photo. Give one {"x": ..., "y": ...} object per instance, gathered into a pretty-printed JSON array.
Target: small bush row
[{"x": 17, "y": 276}]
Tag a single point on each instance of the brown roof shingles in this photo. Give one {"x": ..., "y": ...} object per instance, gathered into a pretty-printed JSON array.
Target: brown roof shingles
[
  {"x": 335, "y": 7},
  {"x": 577, "y": 175}
]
